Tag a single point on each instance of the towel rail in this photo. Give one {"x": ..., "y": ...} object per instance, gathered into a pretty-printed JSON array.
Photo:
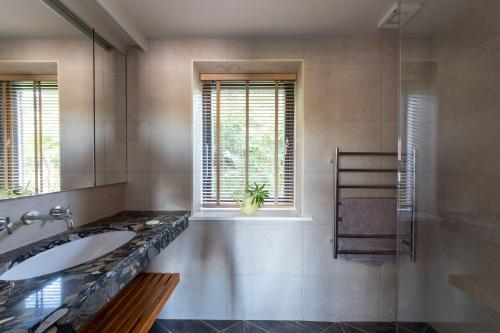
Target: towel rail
[
  {"x": 369, "y": 187},
  {"x": 407, "y": 240},
  {"x": 368, "y": 170}
]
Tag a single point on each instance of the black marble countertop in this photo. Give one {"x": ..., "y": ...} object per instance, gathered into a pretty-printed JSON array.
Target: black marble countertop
[{"x": 65, "y": 300}]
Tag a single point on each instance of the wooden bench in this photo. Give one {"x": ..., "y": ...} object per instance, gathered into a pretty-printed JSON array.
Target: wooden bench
[{"x": 136, "y": 306}]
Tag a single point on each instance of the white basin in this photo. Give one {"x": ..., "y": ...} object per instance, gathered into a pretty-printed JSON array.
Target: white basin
[{"x": 68, "y": 255}]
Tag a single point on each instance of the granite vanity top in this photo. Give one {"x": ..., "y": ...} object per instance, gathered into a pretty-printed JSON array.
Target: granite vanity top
[{"x": 65, "y": 300}]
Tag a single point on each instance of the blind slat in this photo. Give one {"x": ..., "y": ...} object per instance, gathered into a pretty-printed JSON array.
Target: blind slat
[
  {"x": 250, "y": 148},
  {"x": 29, "y": 136}
]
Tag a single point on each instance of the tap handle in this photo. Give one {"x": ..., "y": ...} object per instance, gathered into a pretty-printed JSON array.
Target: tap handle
[
  {"x": 27, "y": 217},
  {"x": 68, "y": 210},
  {"x": 7, "y": 223}
]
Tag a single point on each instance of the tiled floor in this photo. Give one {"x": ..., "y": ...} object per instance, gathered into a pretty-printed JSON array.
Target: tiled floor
[{"x": 267, "y": 326}]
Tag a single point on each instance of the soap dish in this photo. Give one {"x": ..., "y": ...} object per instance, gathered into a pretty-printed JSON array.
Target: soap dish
[{"x": 152, "y": 222}]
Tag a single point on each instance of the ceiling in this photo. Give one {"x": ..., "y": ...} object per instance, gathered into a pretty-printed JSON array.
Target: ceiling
[
  {"x": 282, "y": 18},
  {"x": 31, "y": 18},
  {"x": 134, "y": 21}
]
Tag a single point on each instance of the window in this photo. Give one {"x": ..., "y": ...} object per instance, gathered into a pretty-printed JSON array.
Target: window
[
  {"x": 248, "y": 137},
  {"x": 29, "y": 136}
]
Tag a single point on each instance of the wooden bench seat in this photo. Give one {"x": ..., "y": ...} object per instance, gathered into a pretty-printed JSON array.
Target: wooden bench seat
[{"x": 136, "y": 306}]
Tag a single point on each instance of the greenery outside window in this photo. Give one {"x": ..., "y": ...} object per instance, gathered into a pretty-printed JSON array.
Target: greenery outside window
[
  {"x": 29, "y": 134},
  {"x": 248, "y": 136}
]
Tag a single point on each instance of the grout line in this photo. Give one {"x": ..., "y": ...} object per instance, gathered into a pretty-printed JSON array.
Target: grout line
[
  {"x": 162, "y": 327},
  {"x": 236, "y": 323},
  {"x": 326, "y": 329},
  {"x": 354, "y": 327},
  {"x": 204, "y": 322},
  {"x": 248, "y": 321},
  {"x": 426, "y": 328},
  {"x": 298, "y": 323}
]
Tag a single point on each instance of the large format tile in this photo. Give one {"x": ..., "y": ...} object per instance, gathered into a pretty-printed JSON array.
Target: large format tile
[
  {"x": 106, "y": 200},
  {"x": 264, "y": 49},
  {"x": 388, "y": 301},
  {"x": 184, "y": 326},
  {"x": 197, "y": 297},
  {"x": 170, "y": 191},
  {"x": 222, "y": 325},
  {"x": 252, "y": 328},
  {"x": 281, "y": 326},
  {"x": 158, "y": 328},
  {"x": 370, "y": 327},
  {"x": 342, "y": 297},
  {"x": 200, "y": 250},
  {"x": 170, "y": 147},
  {"x": 264, "y": 250},
  {"x": 318, "y": 197},
  {"x": 138, "y": 146},
  {"x": 316, "y": 326},
  {"x": 318, "y": 256},
  {"x": 322, "y": 137},
  {"x": 356, "y": 94},
  {"x": 409, "y": 327},
  {"x": 343, "y": 52},
  {"x": 137, "y": 191},
  {"x": 260, "y": 297}
]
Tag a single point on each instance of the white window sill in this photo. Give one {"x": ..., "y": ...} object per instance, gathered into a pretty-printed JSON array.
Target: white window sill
[{"x": 268, "y": 215}]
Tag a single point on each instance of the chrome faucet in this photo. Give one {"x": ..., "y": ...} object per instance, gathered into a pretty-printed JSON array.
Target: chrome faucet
[{"x": 55, "y": 213}]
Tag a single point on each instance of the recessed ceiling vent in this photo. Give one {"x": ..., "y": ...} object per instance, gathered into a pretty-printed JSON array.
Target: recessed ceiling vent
[{"x": 397, "y": 16}]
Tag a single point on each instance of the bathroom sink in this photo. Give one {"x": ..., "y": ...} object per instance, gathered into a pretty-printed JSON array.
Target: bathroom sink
[{"x": 68, "y": 255}]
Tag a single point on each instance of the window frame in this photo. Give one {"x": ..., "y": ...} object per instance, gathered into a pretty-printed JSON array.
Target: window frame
[
  {"x": 13, "y": 172},
  {"x": 279, "y": 80}
]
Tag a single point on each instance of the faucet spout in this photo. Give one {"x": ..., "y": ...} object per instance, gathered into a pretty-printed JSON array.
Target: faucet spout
[
  {"x": 69, "y": 223},
  {"x": 56, "y": 213}
]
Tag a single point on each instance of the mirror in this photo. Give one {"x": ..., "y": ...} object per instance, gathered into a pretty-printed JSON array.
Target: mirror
[
  {"x": 110, "y": 115},
  {"x": 62, "y": 105}
]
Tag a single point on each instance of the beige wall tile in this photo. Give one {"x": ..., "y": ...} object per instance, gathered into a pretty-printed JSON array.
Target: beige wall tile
[
  {"x": 280, "y": 245},
  {"x": 356, "y": 94},
  {"x": 332, "y": 53},
  {"x": 344, "y": 102},
  {"x": 321, "y": 138},
  {"x": 138, "y": 146},
  {"x": 197, "y": 297},
  {"x": 344, "y": 297},
  {"x": 201, "y": 251},
  {"x": 170, "y": 147},
  {"x": 247, "y": 302},
  {"x": 170, "y": 191},
  {"x": 137, "y": 194},
  {"x": 264, "y": 49}
]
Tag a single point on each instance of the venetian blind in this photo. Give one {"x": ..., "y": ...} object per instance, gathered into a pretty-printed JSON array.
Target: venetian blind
[
  {"x": 29, "y": 136},
  {"x": 248, "y": 137}
]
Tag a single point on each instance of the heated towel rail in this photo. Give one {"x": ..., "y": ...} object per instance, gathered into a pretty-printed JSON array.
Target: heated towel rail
[{"x": 408, "y": 241}]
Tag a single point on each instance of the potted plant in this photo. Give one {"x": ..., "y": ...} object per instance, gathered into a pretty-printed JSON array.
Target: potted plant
[{"x": 253, "y": 199}]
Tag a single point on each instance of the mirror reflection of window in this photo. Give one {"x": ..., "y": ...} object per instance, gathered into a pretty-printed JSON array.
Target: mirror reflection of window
[{"x": 30, "y": 158}]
